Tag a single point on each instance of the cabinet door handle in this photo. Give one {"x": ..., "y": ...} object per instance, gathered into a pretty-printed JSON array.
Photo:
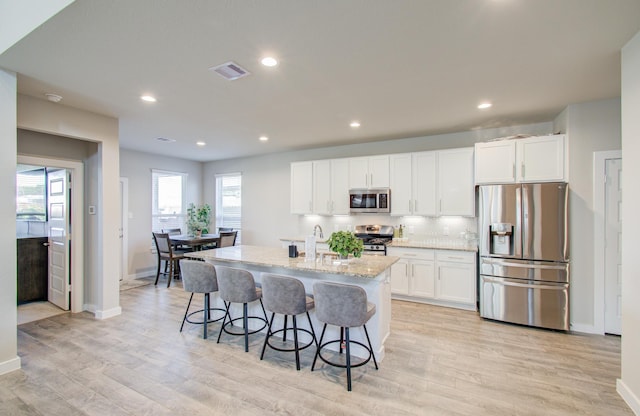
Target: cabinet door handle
[
  {"x": 522, "y": 171},
  {"x": 415, "y": 206},
  {"x": 371, "y": 183},
  {"x": 45, "y": 244},
  {"x": 413, "y": 270},
  {"x": 514, "y": 171}
]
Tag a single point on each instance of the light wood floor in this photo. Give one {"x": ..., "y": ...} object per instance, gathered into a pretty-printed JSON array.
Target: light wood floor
[{"x": 439, "y": 362}]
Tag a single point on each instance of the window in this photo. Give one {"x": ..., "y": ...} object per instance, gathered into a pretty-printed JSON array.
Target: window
[
  {"x": 229, "y": 202},
  {"x": 31, "y": 195},
  {"x": 168, "y": 200}
]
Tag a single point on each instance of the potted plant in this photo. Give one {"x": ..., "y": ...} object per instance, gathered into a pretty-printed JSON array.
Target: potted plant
[
  {"x": 198, "y": 219},
  {"x": 345, "y": 243}
]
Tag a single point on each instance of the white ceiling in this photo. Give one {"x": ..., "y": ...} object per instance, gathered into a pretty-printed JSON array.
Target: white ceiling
[{"x": 403, "y": 68}]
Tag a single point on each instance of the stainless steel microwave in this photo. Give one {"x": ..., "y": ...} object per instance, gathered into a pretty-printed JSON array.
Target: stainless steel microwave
[{"x": 369, "y": 200}]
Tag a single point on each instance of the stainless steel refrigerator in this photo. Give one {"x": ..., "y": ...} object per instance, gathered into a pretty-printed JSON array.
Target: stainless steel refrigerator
[{"x": 524, "y": 254}]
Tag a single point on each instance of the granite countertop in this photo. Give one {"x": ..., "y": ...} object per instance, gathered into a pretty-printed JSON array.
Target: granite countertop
[
  {"x": 453, "y": 244},
  {"x": 302, "y": 239},
  {"x": 31, "y": 235},
  {"x": 367, "y": 266}
]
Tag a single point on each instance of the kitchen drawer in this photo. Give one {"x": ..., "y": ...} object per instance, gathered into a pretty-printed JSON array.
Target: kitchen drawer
[
  {"x": 457, "y": 256},
  {"x": 411, "y": 253}
]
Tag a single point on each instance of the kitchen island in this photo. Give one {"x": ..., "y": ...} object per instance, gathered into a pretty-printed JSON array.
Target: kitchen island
[{"x": 372, "y": 273}]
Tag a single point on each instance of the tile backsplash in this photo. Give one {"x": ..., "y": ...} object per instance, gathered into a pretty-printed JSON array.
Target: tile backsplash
[{"x": 415, "y": 228}]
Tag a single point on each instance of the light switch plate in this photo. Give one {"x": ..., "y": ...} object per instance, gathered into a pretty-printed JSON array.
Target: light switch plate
[{"x": 92, "y": 210}]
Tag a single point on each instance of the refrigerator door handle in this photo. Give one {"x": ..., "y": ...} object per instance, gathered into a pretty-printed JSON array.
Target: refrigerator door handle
[
  {"x": 562, "y": 286},
  {"x": 524, "y": 266}
]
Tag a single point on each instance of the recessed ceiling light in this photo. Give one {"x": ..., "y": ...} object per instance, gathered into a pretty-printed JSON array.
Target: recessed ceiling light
[
  {"x": 201, "y": 143},
  {"x": 165, "y": 139},
  {"x": 148, "y": 98},
  {"x": 484, "y": 106},
  {"x": 264, "y": 138},
  {"x": 355, "y": 124},
  {"x": 269, "y": 61}
]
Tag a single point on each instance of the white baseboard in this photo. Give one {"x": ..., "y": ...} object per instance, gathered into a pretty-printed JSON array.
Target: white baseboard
[
  {"x": 585, "y": 329},
  {"x": 141, "y": 273},
  {"x": 109, "y": 313},
  {"x": 10, "y": 365},
  {"x": 100, "y": 314},
  {"x": 629, "y": 397}
]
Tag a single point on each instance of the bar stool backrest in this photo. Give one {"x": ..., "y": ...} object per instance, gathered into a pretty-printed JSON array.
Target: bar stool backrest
[
  {"x": 198, "y": 276},
  {"x": 283, "y": 295},
  {"x": 236, "y": 285},
  {"x": 340, "y": 304}
]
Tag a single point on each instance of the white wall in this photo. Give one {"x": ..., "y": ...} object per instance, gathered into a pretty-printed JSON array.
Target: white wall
[
  {"x": 591, "y": 127},
  {"x": 102, "y": 183},
  {"x": 9, "y": 359},
  {"x": 137, "y": 166},
  {"x": 629, "y": 384}
]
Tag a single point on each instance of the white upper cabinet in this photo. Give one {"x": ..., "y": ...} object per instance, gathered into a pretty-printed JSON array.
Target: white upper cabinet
[
  {"x": 331, "y": 187},
  {"x": 433, "y": 183},
  {"x": 340, "y": 187},
  {"x": 322, "y": 187},
  {"x": 301, "y": 187},
  {"x": 541, "y": 159},
  {"x": 401, "y": 184},
  {"x": 532, "y": 159},
  {"x": 424, "y": 175},
  {"x": 413, "y": 183},
  {"x": 456, "y": 193},
  {"x": 369, "y": 172},
  {"x": 495, "y": 162}
]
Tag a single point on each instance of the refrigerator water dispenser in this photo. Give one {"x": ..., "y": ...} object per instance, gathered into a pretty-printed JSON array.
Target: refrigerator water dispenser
[{"x": 501, "y": 235}]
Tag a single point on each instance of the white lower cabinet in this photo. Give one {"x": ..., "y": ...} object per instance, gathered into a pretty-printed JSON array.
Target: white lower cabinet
[{"x": 441, "y": 277}]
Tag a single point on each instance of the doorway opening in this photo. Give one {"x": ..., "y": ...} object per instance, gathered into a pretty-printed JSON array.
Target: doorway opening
[{"x": 61, "y": 225}]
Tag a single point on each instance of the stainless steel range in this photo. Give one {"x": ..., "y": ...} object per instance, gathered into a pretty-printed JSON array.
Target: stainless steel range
[{"x": 375, "y": 238}]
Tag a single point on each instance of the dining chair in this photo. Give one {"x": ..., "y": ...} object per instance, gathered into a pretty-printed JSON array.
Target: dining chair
[
  {"x": 228, "y": 238},
  {"x": 166, "y": 253}
]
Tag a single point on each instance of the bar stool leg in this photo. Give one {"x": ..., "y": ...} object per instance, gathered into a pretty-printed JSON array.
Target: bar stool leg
[
  {"x": 245, "y": 322},
  {"x": 295, "y": 342},
  {"x": 224, "y": 320},
  {"x": 341, "y": 340},
  {"x": 284, "y": 337},
  {"x": 205, "y": 315},
  {"x": 313, "y": 333},
  {"x": 264, "y": 347},
  {"x": 370, "y": 347},
  {"x": 348, "y": 360},
  {"x": 186, "y": 312},
  {"x": 318, "y": 347}
]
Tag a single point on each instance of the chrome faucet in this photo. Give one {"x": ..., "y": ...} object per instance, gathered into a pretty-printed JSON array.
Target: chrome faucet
[{"x": 317, "y": 227}]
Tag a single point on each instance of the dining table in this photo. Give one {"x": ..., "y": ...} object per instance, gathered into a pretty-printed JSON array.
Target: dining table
[{"x": 194, "y": 242}]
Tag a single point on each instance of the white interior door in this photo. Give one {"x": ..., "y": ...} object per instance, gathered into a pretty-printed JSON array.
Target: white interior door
[
  {"x": 59, "y": 241},
  {"x": 613, "y": 249}
]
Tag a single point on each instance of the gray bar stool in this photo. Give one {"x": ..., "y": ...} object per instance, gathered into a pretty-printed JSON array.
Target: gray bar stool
[
  {"x": 286, "y": 296},
  {"x": 199, "y": 277},
  {"x": 345, "y": 306},
  {"x": 238, "y": 286}
]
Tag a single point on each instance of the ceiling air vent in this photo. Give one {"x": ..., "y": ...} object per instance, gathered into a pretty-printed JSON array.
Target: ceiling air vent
[{"x": 230, "y": 71}]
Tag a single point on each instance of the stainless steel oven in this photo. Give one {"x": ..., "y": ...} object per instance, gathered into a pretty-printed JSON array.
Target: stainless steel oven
[{"x": 369, "y": 200}]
